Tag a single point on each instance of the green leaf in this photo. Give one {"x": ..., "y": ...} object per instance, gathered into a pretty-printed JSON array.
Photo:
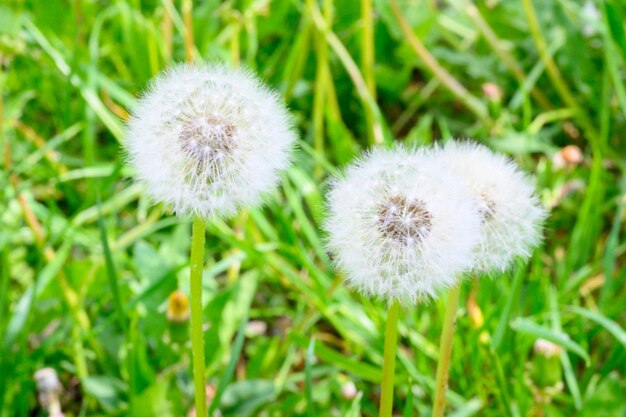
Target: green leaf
[
  {"x": 24, "y": 305},
  {"x": 355, "y": 406},
  {"x": 607, "y": 400},
  {"x": 616, "y": 24},
  {"x": 152, "y": 402},
  {"x": 230, "y": 368},
  {"x": 109, "y": 391},
  {"x": 243, "y": 398},
  {"x": 350, "y": 365},
  {"x": 111, "y": 270},
  {"x": 150, "y": 264},
  {"x": 408, "y": 405},
  {"x": 468, "y": 409},
  {"x": 526, "y": 326},
  {"x": 308, "y": 372},
  {"x": 611, "y": 326}
]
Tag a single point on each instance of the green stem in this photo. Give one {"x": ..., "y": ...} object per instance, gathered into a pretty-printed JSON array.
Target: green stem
[
  {"x": 197, "y": 338},
  {"x": 389, "y": 360},
  {"x": 367, "y": 61},
  {"x": 445, "y": 352}
]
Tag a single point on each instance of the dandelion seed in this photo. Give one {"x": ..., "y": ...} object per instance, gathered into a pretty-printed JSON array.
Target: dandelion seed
[
  {"x": 209, "y": 140},
  {"x": 400, "y": 228},
  {"x": 511, "y": 213}
]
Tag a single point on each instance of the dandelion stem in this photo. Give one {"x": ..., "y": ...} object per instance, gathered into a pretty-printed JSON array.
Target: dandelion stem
[
  {"x": 197, "y": 261},
  {"x": 197, "y": 337},
  {"x": 389, "y": 360},
  {"x": 445, "y": 352}
]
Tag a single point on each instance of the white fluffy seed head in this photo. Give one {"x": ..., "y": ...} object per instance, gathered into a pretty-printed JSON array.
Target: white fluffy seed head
[
  {"x": 208, "y": 139},
  {"x": 399, "y": 226},
  {"x": 511, "y": 213}
]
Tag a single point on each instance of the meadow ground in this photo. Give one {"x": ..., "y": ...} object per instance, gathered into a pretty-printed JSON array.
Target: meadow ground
[{"x": 88, "y": 264}]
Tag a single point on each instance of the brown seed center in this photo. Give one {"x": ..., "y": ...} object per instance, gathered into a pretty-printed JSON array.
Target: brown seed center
[
  {"x": 208, "y": 142},
  {"x": 404, "y": 221}
]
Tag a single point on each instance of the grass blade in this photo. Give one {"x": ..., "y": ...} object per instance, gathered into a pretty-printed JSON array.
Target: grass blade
[
  {"x": 308, "y": 372},
  {"x": 230, "y": 368},
  {"x": 111, "y": 271},
  {"x": 609, "y": 325},
  {"x": 529, "y": 327}
]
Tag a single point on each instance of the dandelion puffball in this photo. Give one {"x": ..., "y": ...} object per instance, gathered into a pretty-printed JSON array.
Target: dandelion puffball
[
  {"x": 208, "y": 140},
  {"x": 510, "y": 211},
  {"x": 400, "y": 227}
]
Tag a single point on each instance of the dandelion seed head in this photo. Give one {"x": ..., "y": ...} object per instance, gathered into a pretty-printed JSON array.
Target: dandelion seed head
[
  {"x": 511, "y": 213},
  {"x": 400, "y": 227},
  {"x": 208, "y": 139},
  {"x": 403, "y": 221}
]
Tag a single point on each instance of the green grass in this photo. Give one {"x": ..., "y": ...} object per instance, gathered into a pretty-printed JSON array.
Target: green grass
[{"x": 87, "y": 293}]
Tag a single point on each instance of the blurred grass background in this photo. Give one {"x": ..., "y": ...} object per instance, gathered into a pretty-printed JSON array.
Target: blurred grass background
[{"x": 88, "y": 265}]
